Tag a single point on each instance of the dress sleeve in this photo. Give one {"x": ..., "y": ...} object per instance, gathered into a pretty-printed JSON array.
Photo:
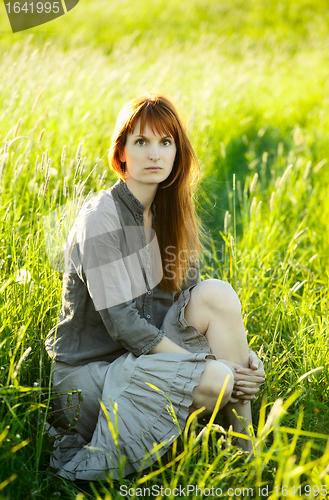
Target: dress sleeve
[
  {"x": 114, "y": 279},
  {"x": 193, "y": 276}
]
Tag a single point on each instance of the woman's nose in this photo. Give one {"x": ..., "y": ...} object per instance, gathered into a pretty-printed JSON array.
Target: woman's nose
[{"x": 154, "y": 154}]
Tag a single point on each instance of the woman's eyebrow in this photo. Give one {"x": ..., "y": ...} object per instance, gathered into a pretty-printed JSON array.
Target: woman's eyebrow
[{"x": 162, "y": 137}]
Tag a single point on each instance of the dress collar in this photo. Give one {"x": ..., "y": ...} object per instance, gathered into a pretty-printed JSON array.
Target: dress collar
[{"x": 130, "y": 200}]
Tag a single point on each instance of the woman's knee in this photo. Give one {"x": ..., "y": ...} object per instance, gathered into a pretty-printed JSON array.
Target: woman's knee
[
  {"x": 215, "y": 376},
  {"x": 224, "y": 378},
  {"x": 219, "y": 295}
]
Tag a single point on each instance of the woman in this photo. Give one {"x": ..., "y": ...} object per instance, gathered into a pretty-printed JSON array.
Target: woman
[{"x": 135, "y": 315}]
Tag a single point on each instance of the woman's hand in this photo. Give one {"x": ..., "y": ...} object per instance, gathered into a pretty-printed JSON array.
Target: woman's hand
[
  {"x": 255, "y": 363},
  {"x": 246, "y": 380}
]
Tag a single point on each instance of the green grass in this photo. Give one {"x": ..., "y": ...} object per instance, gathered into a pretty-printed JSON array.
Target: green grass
[{"x": 252, "y": 81}]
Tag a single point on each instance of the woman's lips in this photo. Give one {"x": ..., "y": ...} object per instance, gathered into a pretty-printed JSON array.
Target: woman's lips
[{"x": 154, "y": 169}]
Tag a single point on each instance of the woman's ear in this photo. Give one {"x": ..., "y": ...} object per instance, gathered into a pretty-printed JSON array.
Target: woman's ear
[{"x": 122, "y": 157}]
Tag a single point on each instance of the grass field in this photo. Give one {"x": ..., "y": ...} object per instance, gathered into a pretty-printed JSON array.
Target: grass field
[{"x": 252, "y": 81}]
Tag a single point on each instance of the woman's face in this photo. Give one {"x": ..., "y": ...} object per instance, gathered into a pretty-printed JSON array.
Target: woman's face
[{"x": 149, "y": 157}]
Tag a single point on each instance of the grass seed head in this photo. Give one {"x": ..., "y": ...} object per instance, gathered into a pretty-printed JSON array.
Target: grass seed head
[
  {"x": 41, "y": 134},
  {"x": 77, "y": 170},
  {"x": 36, "y": 100},
  {"x": 65, "y": 189},
  {"x": 79, "y": 151},
  {"x": 258, "y": 211},
  {"x": 101, "y": 182},
  {"x": 45, "y": 50},
  {"x": 48, "y": 169},
  {"x": 36, "y": 164},
  {"x": 63, "y": 156},
  {"x": 43, "y": 161},
  {"x": 82, "y": 165},
  {"x": 253, "y": 205},
  {"x": 285, "y": 175},
  {"x": 19, "y": 121},
  {"x": 253, "y": 183},
  {"x": 46, "y": 184}
]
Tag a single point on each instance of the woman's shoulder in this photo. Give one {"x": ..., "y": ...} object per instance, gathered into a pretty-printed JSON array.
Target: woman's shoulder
[{"x": 98, "y": 213}]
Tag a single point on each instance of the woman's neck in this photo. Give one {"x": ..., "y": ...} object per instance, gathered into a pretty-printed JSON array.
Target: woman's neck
[{"x": 144, "y": 193}]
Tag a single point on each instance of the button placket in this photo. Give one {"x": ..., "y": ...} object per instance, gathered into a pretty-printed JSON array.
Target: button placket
[
  {"x": 148, "y": 304},
  {"x": 148, "y": 266}
]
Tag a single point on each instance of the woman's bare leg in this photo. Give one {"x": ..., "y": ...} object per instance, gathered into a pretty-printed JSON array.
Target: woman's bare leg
[
  {"x": 210, "y": 386},
  {"x": 215, "y": 310}
]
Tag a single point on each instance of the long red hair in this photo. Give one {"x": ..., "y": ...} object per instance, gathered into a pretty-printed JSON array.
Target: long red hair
[{"x": 177, "y": 226}]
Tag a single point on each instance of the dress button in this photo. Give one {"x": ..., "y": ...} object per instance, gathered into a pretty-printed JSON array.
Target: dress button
[
  {"x": 149, "y": 293},
  {"x": 148, "y": 316}
]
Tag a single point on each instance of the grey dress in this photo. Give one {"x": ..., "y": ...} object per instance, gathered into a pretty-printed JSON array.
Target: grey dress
[{"x": 113, "y": 313}]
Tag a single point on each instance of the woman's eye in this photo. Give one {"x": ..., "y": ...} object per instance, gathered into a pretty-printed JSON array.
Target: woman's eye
[
  {"x": 140, "y": 142},
  {"x": 166, "y": 142}
]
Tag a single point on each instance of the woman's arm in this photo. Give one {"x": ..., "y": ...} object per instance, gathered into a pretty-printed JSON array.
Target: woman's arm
[
  {"x": 167, "y": 345},
  {"x": 113, "y": 275}
]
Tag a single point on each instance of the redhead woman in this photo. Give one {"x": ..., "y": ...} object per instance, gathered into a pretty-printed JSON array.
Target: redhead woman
[{"x": 137, "y": 323}]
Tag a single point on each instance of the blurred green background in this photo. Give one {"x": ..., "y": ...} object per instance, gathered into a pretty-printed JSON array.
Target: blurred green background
[{"x": 252, "y": 81}]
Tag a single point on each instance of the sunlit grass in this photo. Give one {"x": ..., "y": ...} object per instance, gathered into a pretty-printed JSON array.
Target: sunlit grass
[{"x": 253, "y": 87}]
